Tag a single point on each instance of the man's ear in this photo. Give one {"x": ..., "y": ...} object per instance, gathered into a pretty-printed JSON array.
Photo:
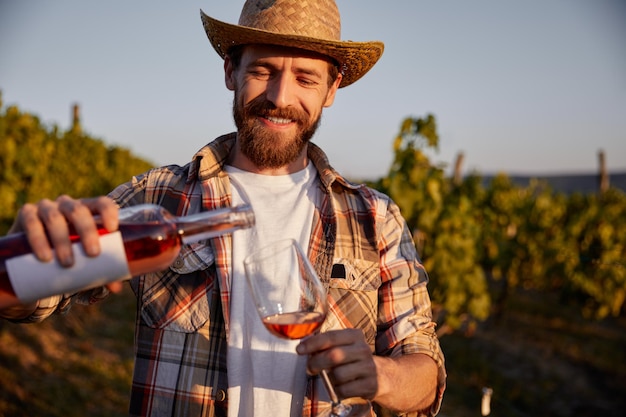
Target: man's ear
[
  {"x": 229, "y": 73},
  {"x": 332, "y": 91}
]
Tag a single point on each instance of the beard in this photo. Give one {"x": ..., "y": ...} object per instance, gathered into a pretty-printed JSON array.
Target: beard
[{"x": 266, "y": 148}]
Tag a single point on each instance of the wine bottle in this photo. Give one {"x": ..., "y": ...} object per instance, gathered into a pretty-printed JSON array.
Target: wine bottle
[{"x": 149, "y": 239}]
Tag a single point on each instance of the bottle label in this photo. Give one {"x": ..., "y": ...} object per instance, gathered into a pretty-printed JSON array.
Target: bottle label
[{"x": 33, "y": 280}]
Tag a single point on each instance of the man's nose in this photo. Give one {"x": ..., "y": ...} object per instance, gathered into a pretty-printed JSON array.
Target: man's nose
[{"x": 280, "y": 91}]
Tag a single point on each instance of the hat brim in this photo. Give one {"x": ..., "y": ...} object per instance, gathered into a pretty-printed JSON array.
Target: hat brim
[{"x": 355, "y": 58}]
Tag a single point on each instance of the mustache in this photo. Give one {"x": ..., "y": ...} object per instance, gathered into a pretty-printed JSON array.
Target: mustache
[{"x": 264, "y": 108}]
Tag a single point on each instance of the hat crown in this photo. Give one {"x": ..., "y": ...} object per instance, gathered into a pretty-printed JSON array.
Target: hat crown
[{"x": 311, "y": 18}]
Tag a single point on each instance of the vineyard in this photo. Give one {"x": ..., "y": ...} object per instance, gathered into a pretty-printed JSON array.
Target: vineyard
[
  {"x": 38, "y": 161},
  {"x": 481, "y": 243},
  {"x": 496, "y": 252}
]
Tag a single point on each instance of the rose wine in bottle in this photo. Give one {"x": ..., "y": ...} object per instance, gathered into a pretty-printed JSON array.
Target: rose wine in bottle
[{"x": 148, "y": 240}]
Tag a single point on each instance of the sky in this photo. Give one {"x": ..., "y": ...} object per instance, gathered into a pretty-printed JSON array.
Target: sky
[{"x": 531, "y": 87}]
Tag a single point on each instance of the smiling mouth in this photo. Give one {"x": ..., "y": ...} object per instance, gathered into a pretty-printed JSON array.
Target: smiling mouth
[{"x": 279, "y": 120}]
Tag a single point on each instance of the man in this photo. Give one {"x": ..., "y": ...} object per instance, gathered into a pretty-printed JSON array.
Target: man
[{"x": 199, "y": 350}]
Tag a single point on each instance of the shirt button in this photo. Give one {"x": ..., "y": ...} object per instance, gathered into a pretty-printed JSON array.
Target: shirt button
[
  {"x": 178, "y": 263},
  {"x": 221, "y": 395}
]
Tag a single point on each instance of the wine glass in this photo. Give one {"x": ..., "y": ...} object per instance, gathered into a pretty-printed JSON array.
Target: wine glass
[{"x": 291, "y": 302}]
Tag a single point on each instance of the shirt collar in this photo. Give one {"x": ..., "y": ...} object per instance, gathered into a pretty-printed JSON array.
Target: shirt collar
[{"x": 210, "y": 160}]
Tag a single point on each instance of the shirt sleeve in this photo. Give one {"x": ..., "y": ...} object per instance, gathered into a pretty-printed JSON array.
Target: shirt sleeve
[
  {"x": 405, "y": 324},
  {"x": 59, "y": 304}
]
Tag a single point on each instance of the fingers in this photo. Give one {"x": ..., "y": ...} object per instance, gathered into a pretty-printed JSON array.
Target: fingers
[
  {"x": 80, "y": 216},
  {"x": 107, "y": 209},
  {"x": 115, "y": 287},
  {"x": 347, "y": 358},
  {"x": 331, "y": 339},
  {"x": 355, "y": 379},
  {"x": 47, "y": 225},
  {"x": 28, "y": 221},
  {"x": 57, "y": 229}
]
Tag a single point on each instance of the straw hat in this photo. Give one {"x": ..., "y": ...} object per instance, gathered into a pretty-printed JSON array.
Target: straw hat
[{"x": 313, "y": 25}]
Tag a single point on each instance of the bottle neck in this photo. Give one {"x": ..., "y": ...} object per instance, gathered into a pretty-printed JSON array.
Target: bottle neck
[{"x": 209, "y": 224}]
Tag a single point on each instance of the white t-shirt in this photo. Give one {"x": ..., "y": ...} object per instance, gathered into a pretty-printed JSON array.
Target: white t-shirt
[{"x": 265, "y": 375}]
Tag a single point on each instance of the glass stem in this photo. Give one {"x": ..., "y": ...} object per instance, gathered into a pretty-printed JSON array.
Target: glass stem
[{"x": 338, "y": 409}]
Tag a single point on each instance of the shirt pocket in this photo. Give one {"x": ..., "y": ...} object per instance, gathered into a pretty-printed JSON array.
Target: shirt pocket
[
  {"x": 194, "y": 257},
  {"x": 181, "y": 297},
  {"x": 353, "y": 295}
]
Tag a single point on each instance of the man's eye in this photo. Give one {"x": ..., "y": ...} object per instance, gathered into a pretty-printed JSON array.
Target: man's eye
[
  {"x": 260, "y": 74},
  {"x": 307, "y": 82}
]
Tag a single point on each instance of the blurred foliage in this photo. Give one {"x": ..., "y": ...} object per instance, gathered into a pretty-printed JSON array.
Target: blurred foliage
[
  {"x": 479, "y": 242},
  {"x": 37, "y": 161}
]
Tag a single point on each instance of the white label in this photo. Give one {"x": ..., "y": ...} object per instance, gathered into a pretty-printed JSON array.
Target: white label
[{"x": 33, "y": 280}]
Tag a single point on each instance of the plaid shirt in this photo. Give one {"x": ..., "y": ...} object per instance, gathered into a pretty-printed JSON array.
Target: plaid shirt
[{"x": 360, "y": 246}]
